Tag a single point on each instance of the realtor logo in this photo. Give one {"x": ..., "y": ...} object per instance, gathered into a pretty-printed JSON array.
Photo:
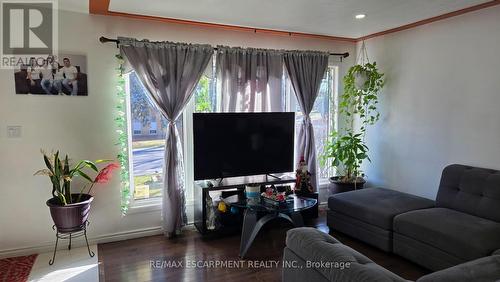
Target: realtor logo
[{"x": 28, "y": 28}]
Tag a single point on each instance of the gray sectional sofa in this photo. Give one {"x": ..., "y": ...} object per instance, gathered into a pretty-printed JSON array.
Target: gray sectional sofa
[
  {"x": 463, "y": 224},
  {"x": 458, "y": 235},
  {"x": 311, "y": 255}
]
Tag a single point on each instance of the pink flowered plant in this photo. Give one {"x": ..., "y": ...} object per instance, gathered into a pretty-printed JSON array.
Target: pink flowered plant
[
  {"x": 104, "y": 175},
  {"x": 61, "y": 173}
]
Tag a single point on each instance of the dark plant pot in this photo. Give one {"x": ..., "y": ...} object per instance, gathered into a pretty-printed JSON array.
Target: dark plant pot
[
  {"x": 337, "y": 186},
  {"x": 71, "y": 217}
]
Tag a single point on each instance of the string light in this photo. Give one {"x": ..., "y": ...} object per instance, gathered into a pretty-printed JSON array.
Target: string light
[{"x": 121, "y": 124}]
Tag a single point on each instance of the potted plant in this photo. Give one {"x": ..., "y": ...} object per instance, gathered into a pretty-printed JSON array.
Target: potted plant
[
  {"x": 346, "y": 151},
  {"x": 69, "y": 210}
]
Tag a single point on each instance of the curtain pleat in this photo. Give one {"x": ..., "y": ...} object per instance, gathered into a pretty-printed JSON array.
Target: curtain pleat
[
  {"x": 250, "y": 79},
  {"x": 306, "y": 70}
]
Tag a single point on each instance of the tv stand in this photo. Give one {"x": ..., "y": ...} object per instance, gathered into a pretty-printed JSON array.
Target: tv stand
[{"x": 235, "y": 187}]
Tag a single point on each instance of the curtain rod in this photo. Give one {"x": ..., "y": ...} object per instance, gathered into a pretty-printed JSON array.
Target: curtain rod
[{"x": 103, "y": 39}]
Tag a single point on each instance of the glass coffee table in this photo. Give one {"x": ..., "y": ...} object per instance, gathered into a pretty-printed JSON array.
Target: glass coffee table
[{"x": 267, "y": 212}]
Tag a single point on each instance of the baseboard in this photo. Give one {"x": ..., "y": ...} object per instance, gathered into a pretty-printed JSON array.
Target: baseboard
[{"x": 106, "y": 238}]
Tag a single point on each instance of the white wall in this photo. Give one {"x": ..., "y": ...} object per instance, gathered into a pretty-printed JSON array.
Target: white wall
[
  {"x": 440, "y": 104},
  {"x": 84, "y": 127}
]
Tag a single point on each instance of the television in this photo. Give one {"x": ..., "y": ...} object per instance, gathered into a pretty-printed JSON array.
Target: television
[{"x": 242, "y": 144}]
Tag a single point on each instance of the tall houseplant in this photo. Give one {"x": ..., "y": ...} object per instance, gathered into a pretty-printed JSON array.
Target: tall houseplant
[
  {"x": 69, "y": 210},
  {"x": 347, "y": 150}
]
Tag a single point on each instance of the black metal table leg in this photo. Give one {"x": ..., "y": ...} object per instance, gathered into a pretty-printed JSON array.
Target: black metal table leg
[
  {"x": 81, "y": 231},
  {"x": 251, "y": 227},
  {"x": 69, "y": 245},
  {"x": 249, "y": 221},
  {"x": 91, "y": 254},
  {"x": 51, "y": 262}
]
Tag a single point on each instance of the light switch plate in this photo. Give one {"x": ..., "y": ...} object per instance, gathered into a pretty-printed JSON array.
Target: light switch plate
[{"x": 14, "y": 131}]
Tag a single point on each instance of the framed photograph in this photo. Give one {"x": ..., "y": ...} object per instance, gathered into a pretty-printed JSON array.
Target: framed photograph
[{"x": 53, "y": 75}]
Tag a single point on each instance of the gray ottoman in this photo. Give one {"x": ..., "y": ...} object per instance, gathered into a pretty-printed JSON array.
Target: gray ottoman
[{"x": 367, "y": 214}]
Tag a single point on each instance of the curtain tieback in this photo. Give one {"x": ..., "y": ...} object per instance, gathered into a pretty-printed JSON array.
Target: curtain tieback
[{"x": 306, "y": 119}]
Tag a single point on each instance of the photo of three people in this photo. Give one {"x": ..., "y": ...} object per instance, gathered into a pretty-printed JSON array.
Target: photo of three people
[{"x": 50, "y": 76}]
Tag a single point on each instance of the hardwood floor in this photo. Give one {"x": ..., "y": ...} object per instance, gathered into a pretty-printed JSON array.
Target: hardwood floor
[{"x": 132, "y": 260}]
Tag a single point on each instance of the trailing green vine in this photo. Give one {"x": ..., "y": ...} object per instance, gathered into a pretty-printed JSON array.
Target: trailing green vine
[
  {"x": 361, "y": 86},
  {"x": 121, "y": 124}
]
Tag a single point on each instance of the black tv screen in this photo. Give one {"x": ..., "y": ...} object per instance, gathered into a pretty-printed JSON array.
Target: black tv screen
[{"x": 241, "y": 144}]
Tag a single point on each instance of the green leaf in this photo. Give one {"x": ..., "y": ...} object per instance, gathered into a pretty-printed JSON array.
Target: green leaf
[
  {"x": 102, "y": 161},
  {"x": 91, "y": 165},
  {"x": 47, "y": 163},
  {"x": 84, "y": 175}
]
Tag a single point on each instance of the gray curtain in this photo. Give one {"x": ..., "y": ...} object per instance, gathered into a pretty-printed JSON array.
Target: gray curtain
[
  {"x": 250, "y": 80},
  {"x": 306, "y": 70},
  {"x": 170, "y": 72}
]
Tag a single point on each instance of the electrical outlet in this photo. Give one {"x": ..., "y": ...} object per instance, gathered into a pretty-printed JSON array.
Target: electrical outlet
[{"x": 13, "y": 131}]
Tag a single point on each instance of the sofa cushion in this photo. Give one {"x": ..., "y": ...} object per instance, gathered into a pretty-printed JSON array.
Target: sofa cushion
[
  {"x": 482, "y": 269},
  {"x": 368, "y": 233},
  {"x": 463, "y": 235},
  {"x": 376, "y": 206},
  {"x": 334, "y": 260},
  {"x": 471, "y": 190}
]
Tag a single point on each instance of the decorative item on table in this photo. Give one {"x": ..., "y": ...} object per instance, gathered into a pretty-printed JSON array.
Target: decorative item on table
[
  {"x": 69, "y": 210},
  {"x": 222, "y": 207},
  {"x": 271, "y": 196},
  {"x": 303, "y": 178},
  {"x": 287, "y": 189},
  {"x": 211, "y": 218},
  {"x": 252, "y": 192},
  {"x": 234, "y": 210}
]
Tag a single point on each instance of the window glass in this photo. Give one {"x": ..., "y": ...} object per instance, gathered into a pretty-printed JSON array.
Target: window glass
[
  {"x": 148, "y": 134},
  {"x": 148, "y": 142}
]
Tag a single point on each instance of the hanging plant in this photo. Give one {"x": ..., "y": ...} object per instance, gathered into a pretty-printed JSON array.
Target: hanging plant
[
  {"x": 361, "y": 86},
  {"x": 347, "y": 151}
]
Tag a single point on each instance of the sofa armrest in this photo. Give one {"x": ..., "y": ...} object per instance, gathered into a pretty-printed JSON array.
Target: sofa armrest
[
  {"x": 482, "y": 269},
  {"x": 332, "y": 259}
]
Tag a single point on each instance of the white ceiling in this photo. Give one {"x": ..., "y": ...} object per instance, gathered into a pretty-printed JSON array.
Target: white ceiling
[
  {"x": 326, "y": 17},
  {"x": 80, "y": 6}
]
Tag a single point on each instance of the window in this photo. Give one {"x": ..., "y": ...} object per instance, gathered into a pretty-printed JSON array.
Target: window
[
  {"x": 148, "y": 128},
  {"x": 204, "y": 100},
  {"x": 152, "y": 128},
  {"x": 323, "y": 115},
  {"x": 147, "y": 149},
  {"x": 137, "y": 127}
]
